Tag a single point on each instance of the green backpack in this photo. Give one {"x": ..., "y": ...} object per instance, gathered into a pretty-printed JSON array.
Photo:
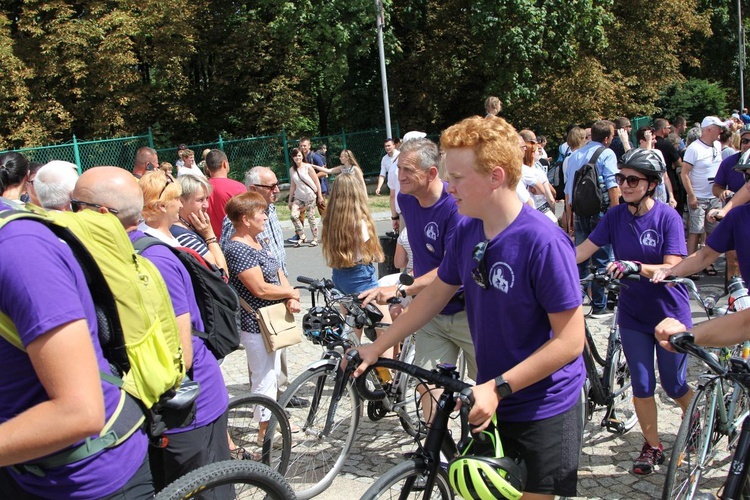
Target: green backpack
[{"x": 137, "y": 328}]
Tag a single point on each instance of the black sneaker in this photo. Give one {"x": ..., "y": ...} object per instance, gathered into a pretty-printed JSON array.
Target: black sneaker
[
  {"x": 296, "y": 402},
  {"x": 601, "y": 313},
  {"x": 649, "y": 458}
]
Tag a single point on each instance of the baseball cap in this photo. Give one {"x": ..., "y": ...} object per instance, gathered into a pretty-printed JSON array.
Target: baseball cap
[
  {"x": 414, "y": 135},
  {"x": 712, "y": 120}
]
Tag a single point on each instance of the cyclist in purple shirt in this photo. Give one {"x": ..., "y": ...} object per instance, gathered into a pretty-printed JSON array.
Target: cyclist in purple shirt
[
  {"x": 203, "y": 441},
  {"x": 523, "y": 302},
  {"x": 51, "y": 394},
  {"x": 645, "y": 235}
]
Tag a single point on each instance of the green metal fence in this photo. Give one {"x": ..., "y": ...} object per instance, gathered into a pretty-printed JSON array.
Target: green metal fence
[{"x": 271, "y": 151}]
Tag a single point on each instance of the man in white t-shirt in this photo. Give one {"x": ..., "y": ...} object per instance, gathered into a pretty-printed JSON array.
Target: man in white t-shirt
[
  {"x": 700, "y": 163},
  {"x": 387, "y": 163}
]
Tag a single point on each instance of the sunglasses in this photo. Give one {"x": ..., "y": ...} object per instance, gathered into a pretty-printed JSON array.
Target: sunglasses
[
  {"x": 270, "y": 187},
  {"x": 170, "y": 180},
  {"x": 150, "y": 167},
  {"x": 632, "y": 180},
  {"x": 78, "y": 205},
  {"x": 479, "y": 273},
  {"x": 745, "y": 141}
]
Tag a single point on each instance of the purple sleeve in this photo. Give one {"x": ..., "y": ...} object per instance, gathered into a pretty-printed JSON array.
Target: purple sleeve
[
  {"x": 448, "y": 270},
  {"x": 674, "y": 234},
  {"x": 600, "y": 235},
  {"x": 175, "y": 276},
  {"x": 555, "y": 276},
  {"x": 722, "y": 238},
  {"x": 721, "y": 174},
  {"x": 39, "y": 282}
]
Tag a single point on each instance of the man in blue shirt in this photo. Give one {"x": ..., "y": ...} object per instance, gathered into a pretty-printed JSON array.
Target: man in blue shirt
[{"x": 602, "y": 133}]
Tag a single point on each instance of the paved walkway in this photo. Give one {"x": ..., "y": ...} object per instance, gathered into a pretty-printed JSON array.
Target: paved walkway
[{"x": 605, "y": 462}]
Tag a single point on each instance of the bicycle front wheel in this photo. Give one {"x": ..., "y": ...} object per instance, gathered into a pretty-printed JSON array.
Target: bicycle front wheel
[
  {"x": 327, "y": 429},
  {"x": 230, "y": 479},
  {"x": 275, "y": 448},
  {"x": 407, "y": 480},
  {"x": 693, "y": 446},
  {"x": 622, "y": 410}
]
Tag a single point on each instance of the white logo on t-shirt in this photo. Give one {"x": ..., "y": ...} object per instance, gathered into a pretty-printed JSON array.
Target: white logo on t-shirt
[
  {"x": 431, "y": 231},
  {"x": 649, "y": 238},
  {"x": 501, "y": 277}
]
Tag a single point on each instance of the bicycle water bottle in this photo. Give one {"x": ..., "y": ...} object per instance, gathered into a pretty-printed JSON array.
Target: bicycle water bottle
[
  {"x": 738, "y": 293},
  {"x": 746, "y": 349}
]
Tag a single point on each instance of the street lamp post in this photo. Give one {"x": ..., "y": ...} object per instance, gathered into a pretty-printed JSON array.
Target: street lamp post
[
  {"x": 380, "y": 20},
  {"x": 741, "y": 55}
]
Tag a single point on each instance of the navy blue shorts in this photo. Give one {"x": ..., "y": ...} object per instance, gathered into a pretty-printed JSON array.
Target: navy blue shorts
[{"x": 355, "y": 279}]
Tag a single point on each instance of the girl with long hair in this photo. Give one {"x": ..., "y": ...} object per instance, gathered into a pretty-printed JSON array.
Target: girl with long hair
[{"x": 348, "y": 165}]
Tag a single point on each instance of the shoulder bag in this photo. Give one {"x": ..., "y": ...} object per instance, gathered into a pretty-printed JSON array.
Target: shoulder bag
[{"x": 277, "y": 325}]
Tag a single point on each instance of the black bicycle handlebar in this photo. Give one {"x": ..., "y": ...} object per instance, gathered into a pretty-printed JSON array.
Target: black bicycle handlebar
[
  {"x": 429, "y": 376},
  {"x": 603, "y": 278},
  {"x": 738, "y": 370},
  {"x": 316, "y": 284}
]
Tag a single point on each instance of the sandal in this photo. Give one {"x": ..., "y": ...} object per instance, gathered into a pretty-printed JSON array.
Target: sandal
[
  {"x": 314, "y": 243},
  {"x": 241, "y": 453},
  {"x": 695, "y": 277},
  {"x": 299, "y": 242},
  {"x": 710, "y": 270}
]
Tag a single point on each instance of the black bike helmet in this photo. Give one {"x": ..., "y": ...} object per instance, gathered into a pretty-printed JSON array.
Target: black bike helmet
[
  {"x": 322, "y": 325},
  {"x": 480, "y": 477},
  {"x": 646, "y": 161}
]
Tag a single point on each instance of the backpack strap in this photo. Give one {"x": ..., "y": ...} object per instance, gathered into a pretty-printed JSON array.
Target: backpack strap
[{"x": 595, "y": 157}]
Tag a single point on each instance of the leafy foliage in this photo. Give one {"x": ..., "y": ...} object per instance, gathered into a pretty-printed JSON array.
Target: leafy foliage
[{"x": 694, "y": 99}]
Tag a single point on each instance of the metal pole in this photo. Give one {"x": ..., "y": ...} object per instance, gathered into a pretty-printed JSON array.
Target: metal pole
[
  {"x": 741, "y": 55},
  {"x": 380, "y": 21}
]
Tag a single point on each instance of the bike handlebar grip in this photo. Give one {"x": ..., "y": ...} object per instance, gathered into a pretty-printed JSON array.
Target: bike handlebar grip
[
  {"x": 364, "y": 391},
  {"x": 680, "y": 341},
  {"x": 634, "y": 276},
  {"x": 306, "y": 280}
]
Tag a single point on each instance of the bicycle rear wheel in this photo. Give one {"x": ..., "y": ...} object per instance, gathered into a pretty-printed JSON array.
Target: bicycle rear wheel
[
  {"x": 230, "y": 479},
  {"x": 693, "y": 446},
  {"x": 276, "y": 447},
  {"x": 621, "y": 414},
  {"x": 406, "y": 480},
  {"x": 318, "y": 454}
]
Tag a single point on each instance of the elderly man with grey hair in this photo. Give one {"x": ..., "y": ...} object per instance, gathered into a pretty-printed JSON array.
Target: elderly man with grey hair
[{"x": 54, "y": 183}]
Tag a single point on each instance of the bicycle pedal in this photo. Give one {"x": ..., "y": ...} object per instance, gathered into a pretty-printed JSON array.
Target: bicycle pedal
[{"x": 613, "y": 425}]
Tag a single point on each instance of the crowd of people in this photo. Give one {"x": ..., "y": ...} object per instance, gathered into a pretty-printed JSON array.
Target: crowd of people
[{"x": 496, "y": 245}]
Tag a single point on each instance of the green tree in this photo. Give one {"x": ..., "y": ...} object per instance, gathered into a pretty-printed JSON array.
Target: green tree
[{"x": 694, "y": 99}]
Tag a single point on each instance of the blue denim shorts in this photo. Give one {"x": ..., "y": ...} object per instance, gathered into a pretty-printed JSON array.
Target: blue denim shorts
[{"x": 355, "y": 279}]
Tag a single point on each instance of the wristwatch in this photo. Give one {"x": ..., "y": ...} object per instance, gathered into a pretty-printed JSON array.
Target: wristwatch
[{"x": 502, "y": 387}]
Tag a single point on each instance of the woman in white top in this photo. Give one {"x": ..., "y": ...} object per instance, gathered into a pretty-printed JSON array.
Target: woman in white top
[
  {"x": 161, "y": 206},
  {"x": 304, "y": 192}
]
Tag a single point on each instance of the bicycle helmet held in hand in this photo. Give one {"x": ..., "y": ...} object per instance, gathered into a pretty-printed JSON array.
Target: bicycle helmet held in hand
[
  {"x": 646, "y": 161},
  {"x": 322, "y": 325},
  {"x": 482, "y": 477},
  {"x": 743, "y": 164}
]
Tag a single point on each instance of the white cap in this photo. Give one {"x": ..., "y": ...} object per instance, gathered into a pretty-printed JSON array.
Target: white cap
[
  {"x": 413, "y": 135},
  {"x": 712, "y": 120}
]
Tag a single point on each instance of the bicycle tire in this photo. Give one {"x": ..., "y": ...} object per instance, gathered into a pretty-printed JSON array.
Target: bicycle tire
[
  {"x": 243, "y": 431},
  {"x": 391, "y": 484},
  {"x": 621, "y": 391},
  {"x": 236, "y": 478},
  {"x": 693, "y": 446},
  {"x": 316, "y": 458}
]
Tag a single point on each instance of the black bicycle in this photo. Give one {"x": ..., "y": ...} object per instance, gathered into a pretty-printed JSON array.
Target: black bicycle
[
  {"x": 712, "y": 414},
  {"x": 422, "y": 474},
  {"x": 239, "y": 479},
  {"x": 608, "y": 383}
]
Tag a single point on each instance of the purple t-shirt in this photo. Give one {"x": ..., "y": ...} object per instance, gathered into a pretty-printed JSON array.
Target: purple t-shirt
[
  {"x": 732, "y": 234},
  {"x": 727, "y": 176},
  {"x": 533, "y": 272},
  {"x": 430, "y": 230},
  {"x": 43, "y": 288},
  {"x": 213, "y": 399},
  {"x": 647, "y": 239}
]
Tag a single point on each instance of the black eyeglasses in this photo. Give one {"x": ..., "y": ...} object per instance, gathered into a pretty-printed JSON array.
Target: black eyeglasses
[
  {"x": 269, "y": 187},
  {"x": 78, "y": 205},
  {"x": 479, "y": 273},
  {"x": 632, "y": 180},
  {"x": 169, "y": 181}
]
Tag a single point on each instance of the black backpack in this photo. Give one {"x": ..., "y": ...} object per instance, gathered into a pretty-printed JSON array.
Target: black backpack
[
  {"x": 588, "y": 198},
  {"x": 217, "y": 301}
]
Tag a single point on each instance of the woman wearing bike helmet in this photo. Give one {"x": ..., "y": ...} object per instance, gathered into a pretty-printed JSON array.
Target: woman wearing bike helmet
[{"x": 645, "y": 235}]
